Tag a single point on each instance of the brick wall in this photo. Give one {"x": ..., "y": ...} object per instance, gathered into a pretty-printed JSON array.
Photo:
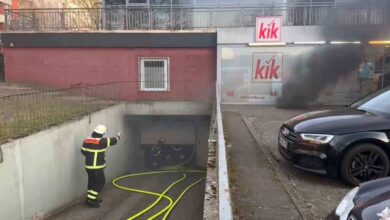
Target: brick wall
[{"x": 192, "y": 70}]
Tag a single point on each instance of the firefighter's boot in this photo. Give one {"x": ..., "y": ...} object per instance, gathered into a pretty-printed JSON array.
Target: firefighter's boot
[
  {"x": 92, "y": 203},
  {"x": 99, "y": 200}
]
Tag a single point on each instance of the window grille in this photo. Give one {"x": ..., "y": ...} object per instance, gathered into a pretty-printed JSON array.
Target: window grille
[{"x": 154, "y": 74}]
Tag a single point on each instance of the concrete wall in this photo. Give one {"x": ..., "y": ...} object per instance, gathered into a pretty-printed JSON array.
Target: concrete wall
[
  {"x": 169, "y": 108},
  {"x": 44, "y": 171}
]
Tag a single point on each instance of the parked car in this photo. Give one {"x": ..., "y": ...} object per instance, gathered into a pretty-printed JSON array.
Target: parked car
[
  {"x": 370, "y": 201},
  {"x": 351, "y": 142}
]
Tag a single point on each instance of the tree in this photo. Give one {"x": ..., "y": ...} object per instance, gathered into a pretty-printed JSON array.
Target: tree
[
  {"x": 82, "y": 3},
  {"x": 82, "y": 14}
]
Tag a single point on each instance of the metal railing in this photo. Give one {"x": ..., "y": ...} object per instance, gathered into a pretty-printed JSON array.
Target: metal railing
[
  {"x": 191, "y": 17},
  {"x": 24, "y": 114}
]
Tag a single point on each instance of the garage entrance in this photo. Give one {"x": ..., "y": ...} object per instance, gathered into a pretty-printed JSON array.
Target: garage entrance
[{"x": 170, "y": 141}]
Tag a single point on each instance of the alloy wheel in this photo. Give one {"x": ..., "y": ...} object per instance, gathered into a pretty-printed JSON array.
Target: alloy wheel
[{"x": 367, "y": 165}]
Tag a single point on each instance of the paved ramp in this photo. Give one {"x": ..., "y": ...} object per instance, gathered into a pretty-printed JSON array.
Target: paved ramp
[
  {"x": 256, "y": 189},
  {"x": 119, "y": 204}
]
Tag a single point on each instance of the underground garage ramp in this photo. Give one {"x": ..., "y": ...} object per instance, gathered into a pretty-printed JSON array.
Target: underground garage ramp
[{"x": 166, "y": 180}]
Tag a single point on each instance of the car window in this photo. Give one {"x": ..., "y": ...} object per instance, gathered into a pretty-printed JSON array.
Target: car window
[{"x": 378, "y": 102}]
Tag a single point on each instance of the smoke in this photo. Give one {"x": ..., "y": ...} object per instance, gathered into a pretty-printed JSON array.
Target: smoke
[{"x": 324, "y": 67}]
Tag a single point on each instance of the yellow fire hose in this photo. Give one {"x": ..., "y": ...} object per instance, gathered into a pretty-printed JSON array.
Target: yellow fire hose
[{"x": 168, "y": 209}]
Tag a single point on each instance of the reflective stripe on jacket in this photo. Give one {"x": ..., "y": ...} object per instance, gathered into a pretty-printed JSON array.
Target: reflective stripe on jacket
[{"x": 94, "y": 150}]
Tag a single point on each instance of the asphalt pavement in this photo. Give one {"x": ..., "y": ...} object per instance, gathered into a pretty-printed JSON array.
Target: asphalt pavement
[
  {"x": 256, "y": 162},
  {"x": 119, "y": 204}
]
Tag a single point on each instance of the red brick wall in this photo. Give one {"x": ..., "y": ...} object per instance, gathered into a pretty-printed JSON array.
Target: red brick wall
[{"x": 192, "y": 71}]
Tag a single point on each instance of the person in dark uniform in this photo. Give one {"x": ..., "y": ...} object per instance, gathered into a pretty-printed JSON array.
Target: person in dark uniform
[{"x": 94, "y": 149}]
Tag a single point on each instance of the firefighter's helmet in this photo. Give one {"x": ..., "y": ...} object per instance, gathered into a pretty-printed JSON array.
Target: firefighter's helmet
[{"x": 100, "y": 129}]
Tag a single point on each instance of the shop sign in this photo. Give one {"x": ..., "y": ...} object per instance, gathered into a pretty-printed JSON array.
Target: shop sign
[
  {"x": 269, "y": 29},
  {"x": 267, "y": 67}
]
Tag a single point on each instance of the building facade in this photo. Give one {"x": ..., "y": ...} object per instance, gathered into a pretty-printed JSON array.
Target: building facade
[
  {"x": 165, "y": 67},
  {"x": 253, "y": 52}
]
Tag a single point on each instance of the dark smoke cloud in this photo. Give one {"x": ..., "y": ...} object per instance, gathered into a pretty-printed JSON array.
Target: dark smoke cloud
[
  {"x": 327, "y": 64},
  {"x": 324, "y": 67}
]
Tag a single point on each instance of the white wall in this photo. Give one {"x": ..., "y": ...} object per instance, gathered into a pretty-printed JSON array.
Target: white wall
[
  {"x": 236, "y": 69},
  {"x": 44, "y": 171},
  {"x": 234, "y": 36},
  {"x": 169, "y": 108}
]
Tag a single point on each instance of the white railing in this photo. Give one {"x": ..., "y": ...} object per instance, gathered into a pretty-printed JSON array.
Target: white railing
[
  {"x": 225, "y": 211},
  {"x": 191, "y": 17}
]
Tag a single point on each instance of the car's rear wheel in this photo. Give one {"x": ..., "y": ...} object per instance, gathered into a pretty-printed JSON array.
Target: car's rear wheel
[{"x": 364, "y": 162}]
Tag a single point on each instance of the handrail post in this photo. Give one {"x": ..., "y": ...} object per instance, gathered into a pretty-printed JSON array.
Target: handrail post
[
  {"x": 241, "y": 18},
  {"x": 102, "y": 18},
  {"x": 62, "y": 16},
  {"x": 369, "y": 16},
  {"x": 181, "y": 18},
  {"x": 212, "y": 18},
  {"x": 150, "y": 17},
  {"x": 109, "y": 19},
  {"x": 171, "y": 16},
  {"x": 126, "y": 27},
  {"x": 33, "y": 19},
  {"x": 6, "y": 27}
]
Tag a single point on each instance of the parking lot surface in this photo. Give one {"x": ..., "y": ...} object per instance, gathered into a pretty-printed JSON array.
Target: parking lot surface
[{"x": 313, "y": 196}]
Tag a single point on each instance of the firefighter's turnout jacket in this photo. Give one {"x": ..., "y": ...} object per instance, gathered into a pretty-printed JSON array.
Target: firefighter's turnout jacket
[{"x": 94, "y": 150}]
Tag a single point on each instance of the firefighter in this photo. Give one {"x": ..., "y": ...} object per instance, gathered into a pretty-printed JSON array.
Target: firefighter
[{"x": 94, "y": 149}]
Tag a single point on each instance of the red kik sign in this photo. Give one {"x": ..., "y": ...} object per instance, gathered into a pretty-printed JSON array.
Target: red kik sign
[
  {"x": 267, "y": 67},
  {"x": 269, "y": 29}
]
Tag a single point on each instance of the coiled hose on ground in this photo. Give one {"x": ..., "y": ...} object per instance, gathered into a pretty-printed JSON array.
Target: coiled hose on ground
[{"x": 165, "y": 212}]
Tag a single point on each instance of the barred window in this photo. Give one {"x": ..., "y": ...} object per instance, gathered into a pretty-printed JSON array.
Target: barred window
[{"x": 154, "y": 74}]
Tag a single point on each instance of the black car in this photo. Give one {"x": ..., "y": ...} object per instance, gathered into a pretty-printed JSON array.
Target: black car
[
  {"x": 351, "y": 142},
  {"x": 369, "y": 201}
]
